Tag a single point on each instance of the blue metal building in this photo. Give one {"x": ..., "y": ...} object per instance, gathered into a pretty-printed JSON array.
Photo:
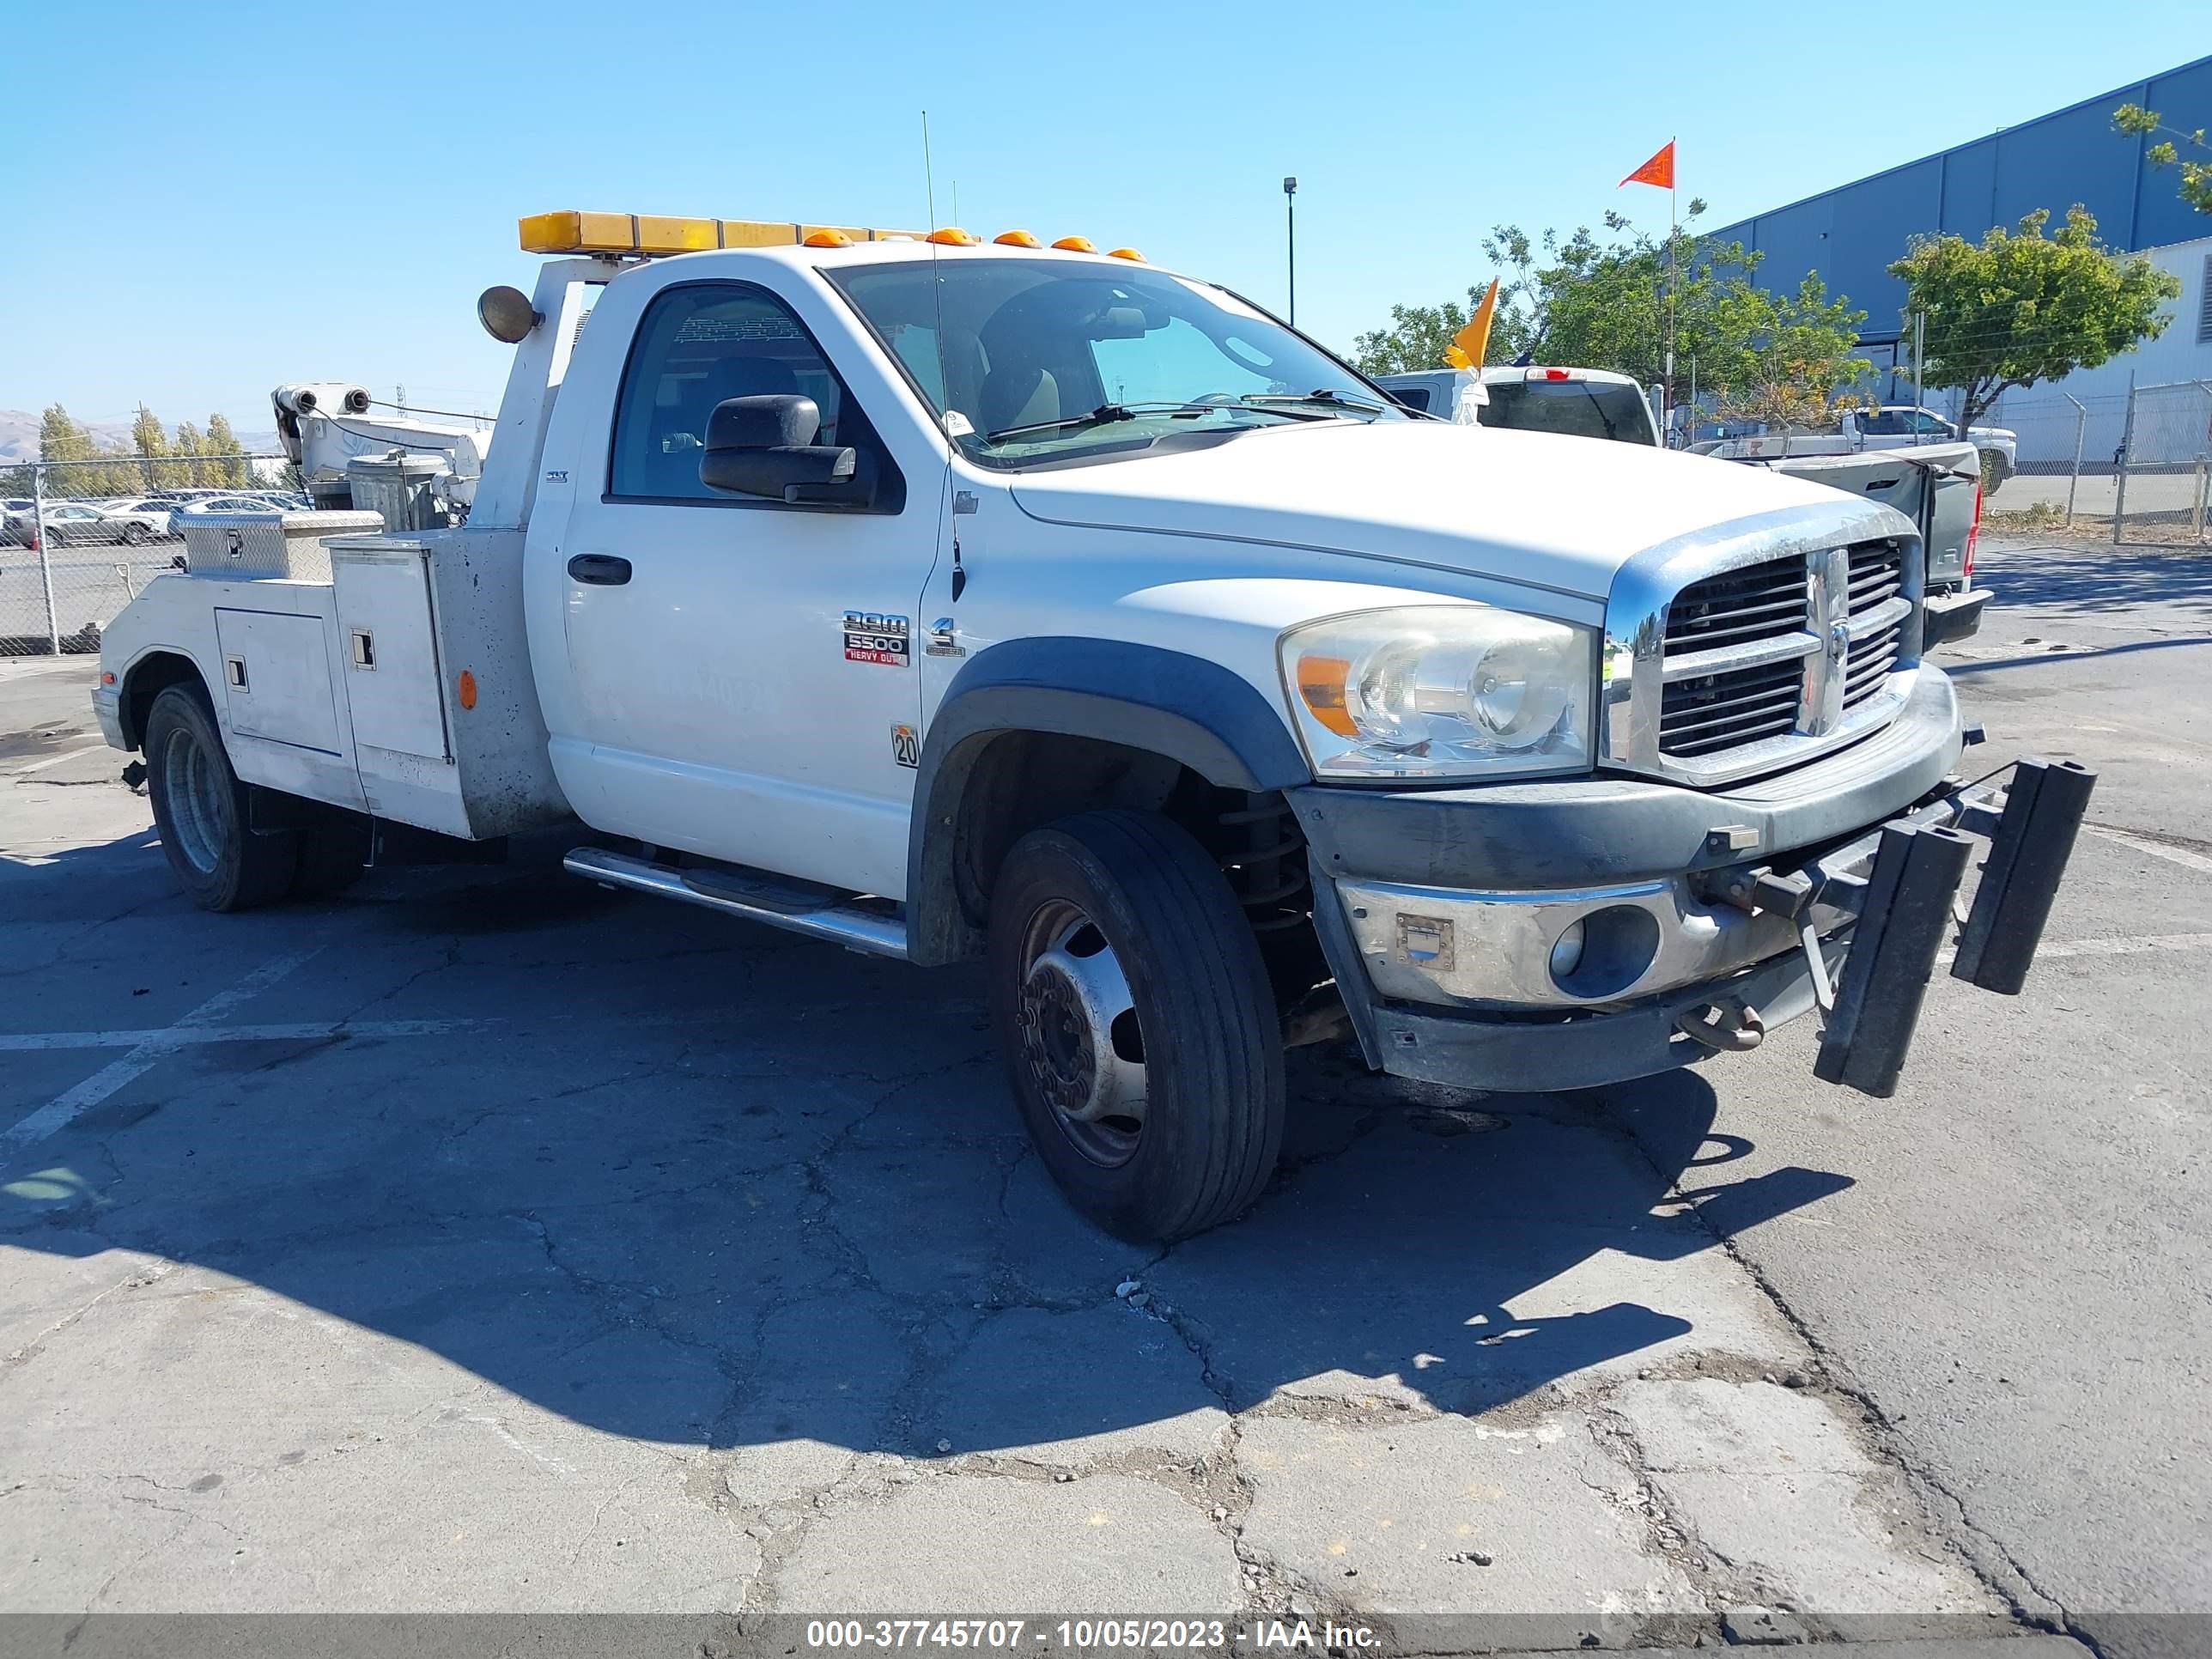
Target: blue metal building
[{"x": 1850, "y": 234}]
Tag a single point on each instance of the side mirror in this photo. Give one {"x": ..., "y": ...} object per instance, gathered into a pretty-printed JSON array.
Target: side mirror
[{"x": 762, "y": 446}]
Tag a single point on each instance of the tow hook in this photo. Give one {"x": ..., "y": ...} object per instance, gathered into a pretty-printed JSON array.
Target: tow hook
[{"x": 1727, "y": 1027}]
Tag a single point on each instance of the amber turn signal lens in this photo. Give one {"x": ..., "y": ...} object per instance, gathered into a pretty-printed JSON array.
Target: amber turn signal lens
[
  {"x": 1017, "y": 239},
  {"x": 828, "y": 239},
  {"x": 1321, "y": 688},
  {"x": 465, "y": 690},
  {"x": 1127, "y": 253},
  {"x": 952, "y": 236},
  {"x": 1076, "y": 245}
]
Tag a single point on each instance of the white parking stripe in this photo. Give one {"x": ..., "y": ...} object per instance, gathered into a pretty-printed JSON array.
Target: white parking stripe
[
  {"x": 54, "y": 760},
  {"x": 2157, "y": 849},
  {"x": 2108, "y": 947},
  {"x": 174, "y": 1037},
  {"x": 64, "y": 1109}
]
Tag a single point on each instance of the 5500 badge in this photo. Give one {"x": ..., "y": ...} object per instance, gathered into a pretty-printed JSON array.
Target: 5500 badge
[{"x": 871, "y": 637}]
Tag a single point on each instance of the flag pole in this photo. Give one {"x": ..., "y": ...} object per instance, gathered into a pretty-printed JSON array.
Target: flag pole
[{"x": 1674, "y": 235}]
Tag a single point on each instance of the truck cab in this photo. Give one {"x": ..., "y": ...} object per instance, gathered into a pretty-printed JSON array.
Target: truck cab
[{"x": 957, "y": 600}]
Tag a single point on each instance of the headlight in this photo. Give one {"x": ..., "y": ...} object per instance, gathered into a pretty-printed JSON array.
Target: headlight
[{"x": 1440, "y": 691}]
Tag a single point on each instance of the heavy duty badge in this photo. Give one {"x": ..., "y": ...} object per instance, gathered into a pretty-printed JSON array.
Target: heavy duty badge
[{"x": 873, "y": 638}]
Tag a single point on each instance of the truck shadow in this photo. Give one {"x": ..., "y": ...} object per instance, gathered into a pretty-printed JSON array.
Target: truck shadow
[{"x": 677, "y": 1179}]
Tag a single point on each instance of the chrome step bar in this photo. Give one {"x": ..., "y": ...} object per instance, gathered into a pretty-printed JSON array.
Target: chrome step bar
[{"x": 840, "y": 924}]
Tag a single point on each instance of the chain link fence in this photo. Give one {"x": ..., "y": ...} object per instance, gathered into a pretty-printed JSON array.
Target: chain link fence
[
  {"x": 2164, "y": 484},
  {"x": 78, "y": 539}
]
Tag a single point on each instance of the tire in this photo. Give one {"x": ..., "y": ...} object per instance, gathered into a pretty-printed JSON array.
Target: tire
[
  {"x": 1994, "y": 471},
  {"x": 133, "y": 534},
  {"x": 201, "y": 808},
  {"x": 1122, "y": 972}
]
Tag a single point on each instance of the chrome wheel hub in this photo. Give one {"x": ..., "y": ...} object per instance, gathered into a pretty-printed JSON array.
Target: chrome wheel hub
[
  {"x": 1079, "y": 1035},
  {"x": 199, "y": 804}
]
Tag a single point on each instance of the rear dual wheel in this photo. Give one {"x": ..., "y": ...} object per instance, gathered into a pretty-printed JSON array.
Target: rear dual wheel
[
  {"x": 204, "y": 813},
  {"x": 1138, "y": 1030}
]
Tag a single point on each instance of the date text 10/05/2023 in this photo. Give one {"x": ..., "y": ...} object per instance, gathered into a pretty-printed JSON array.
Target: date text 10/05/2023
[{"x": 1135, "y": 1634}]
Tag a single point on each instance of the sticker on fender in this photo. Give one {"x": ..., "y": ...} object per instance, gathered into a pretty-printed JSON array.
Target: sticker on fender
[{"x": 873, "y": 638}]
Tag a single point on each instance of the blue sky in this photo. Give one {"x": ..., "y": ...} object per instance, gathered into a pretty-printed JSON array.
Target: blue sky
[{"x": 204, "y": 202}]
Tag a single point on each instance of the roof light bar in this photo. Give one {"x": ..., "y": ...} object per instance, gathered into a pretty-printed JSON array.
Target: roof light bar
[{"x": 645, "y": 234}]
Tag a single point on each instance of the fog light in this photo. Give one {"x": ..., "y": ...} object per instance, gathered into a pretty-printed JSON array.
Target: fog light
[{"x": 1567, "y": 953}]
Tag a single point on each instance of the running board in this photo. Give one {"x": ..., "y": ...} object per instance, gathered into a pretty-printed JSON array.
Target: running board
[{"x": 843, "y": 924}]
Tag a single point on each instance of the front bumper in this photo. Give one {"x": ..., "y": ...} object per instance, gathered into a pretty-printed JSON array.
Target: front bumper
[{"x": 1701, "y": 915}]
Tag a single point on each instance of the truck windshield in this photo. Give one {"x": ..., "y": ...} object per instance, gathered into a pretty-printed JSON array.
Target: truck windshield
[
  {"x": 1580, "y": 409},
  {"x": 1034, "y": 361}
]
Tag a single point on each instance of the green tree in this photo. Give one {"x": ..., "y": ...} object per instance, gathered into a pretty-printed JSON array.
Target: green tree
[
  {"x": 1601, "y": 301},
  {"x": 150, "y": 443},
  {"x": 229, "y": 469},
  {"x": 1783, "y": 357},
  {"x": 1417, "y": 336},
  {"x": 2196, "y": 174},
  {"x": 2019, "y": 306},
  {"x": 64, "y": 439},
  {"x": 190, "y": 443}
]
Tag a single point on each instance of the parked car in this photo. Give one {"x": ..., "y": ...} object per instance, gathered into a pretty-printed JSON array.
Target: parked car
[
  {"x": 151, "y": 511},
  {"x": 1580, "y": 403},
  {"x": 79, "y": 523},
  {"x": 234, "y": 503},
  {"x": 1449, "y": 394}
]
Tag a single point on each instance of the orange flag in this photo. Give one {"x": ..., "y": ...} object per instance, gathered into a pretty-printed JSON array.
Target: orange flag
[
  {"x": 1659, "y": 170},
  {"x": 1469, "y": 345}
]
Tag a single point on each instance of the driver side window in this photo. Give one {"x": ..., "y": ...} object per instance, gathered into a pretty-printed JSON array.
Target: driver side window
[{"x": 695, "y": 347}]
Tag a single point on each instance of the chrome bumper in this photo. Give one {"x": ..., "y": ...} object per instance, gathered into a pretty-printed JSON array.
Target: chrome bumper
[{"x": 1545, "y": 950}]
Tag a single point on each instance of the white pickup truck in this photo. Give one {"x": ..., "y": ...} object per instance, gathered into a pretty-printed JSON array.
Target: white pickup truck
[
  {"x": 949, "y": 600},
  {"x": 1892, "y": 426}
]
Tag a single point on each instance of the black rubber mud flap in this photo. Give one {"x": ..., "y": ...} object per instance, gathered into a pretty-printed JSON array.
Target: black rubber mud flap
[
  {"x": 1905, "y": 919},
  {"x": 2027, "y": 858}
]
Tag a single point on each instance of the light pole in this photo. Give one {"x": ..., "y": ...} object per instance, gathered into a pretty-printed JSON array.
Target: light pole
[{"x": 1290, "y": 240}]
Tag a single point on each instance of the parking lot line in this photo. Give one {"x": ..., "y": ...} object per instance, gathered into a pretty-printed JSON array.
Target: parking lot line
[
  {"x": 2157, "y": 849},
  {"x": 54, "y": 760},
  {"x": 63, "y": 1109},
  {"x": 168, "y": 1038}
]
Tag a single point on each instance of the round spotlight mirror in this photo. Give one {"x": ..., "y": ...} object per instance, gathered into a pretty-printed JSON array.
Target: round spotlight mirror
[{"x": 507, "y": 314}]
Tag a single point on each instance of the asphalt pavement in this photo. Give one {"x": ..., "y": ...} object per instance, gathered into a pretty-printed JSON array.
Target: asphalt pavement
[{"x": 484, "y": 1241}]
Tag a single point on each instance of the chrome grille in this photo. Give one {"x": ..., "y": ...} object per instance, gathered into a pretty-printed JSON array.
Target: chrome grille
[
  {"x": 1723, "y": 619},
  {"x": 1725, "y": 672}
]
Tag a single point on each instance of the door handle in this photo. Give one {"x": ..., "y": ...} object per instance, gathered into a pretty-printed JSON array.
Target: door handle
[{"x": 598, "y": 569}]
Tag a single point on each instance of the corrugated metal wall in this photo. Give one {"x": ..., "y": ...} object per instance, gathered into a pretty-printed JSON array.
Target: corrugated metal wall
[{"x": 1851, "y": 233}]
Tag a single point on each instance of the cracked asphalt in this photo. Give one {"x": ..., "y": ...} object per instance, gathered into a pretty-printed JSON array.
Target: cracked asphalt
[{"x": 482, "y": 1241}]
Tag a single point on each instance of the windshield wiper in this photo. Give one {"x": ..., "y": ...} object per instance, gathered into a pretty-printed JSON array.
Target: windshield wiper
[
  {"x": 1331, "y": 399},
  {"x": 1108, "y": 414}
]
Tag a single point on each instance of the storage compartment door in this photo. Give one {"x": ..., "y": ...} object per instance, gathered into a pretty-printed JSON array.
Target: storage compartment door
[
  {"x": 389, "y": 644},
  {"x": 277, "y": 677}
]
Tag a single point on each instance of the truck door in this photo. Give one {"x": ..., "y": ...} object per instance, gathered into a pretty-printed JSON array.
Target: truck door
[{"x": 741, "y": 672}]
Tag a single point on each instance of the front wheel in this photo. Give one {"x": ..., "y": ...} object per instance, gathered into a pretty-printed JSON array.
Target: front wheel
[
  {"x": 200, "y": 807},
  {"x": 1134, "y": 1015}
]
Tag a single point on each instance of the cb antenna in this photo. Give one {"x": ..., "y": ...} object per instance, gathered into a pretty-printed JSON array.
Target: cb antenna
[{"x": 929, "y": 173}]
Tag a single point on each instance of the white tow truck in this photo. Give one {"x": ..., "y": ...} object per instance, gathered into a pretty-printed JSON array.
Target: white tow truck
[{"x": 946, "y": 599}]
